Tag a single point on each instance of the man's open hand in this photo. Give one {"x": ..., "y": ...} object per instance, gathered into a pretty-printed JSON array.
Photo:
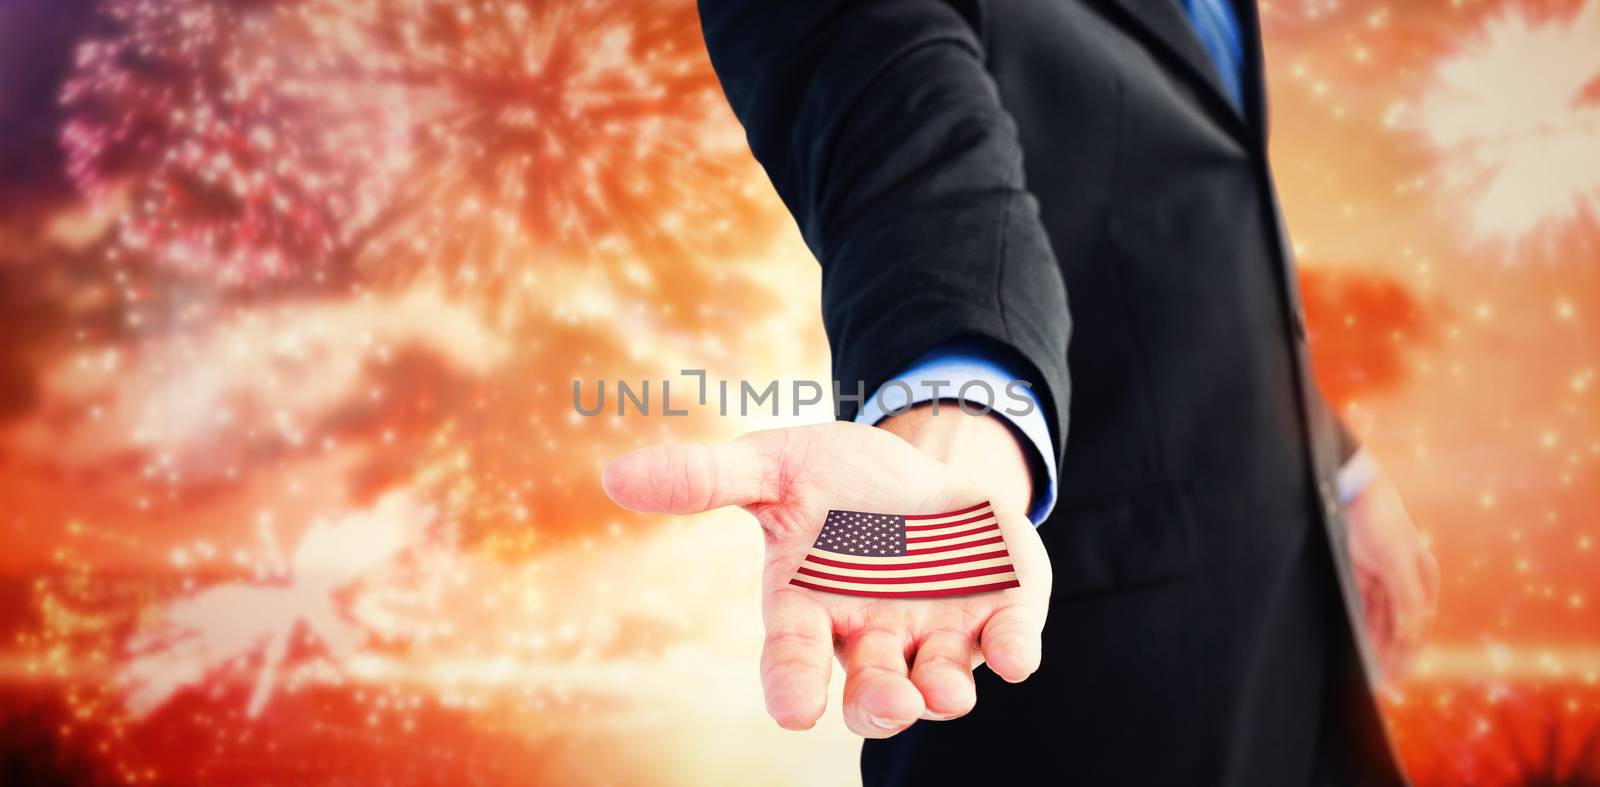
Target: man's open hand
[{"x": 904, "y": 659}]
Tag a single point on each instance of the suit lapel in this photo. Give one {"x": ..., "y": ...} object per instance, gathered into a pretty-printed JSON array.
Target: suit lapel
[
  {"x": 1166, "y": 23},
  {"x": 1255, "y": 83}
]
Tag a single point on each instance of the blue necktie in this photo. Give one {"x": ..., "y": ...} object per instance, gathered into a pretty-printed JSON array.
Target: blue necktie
[{"x": 1217, "y": 27}]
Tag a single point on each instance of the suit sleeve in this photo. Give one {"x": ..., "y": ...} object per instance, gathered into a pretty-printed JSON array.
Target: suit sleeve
[
  {"x": 884, "y": 135},
  {"x": 1346, "y": 442}
]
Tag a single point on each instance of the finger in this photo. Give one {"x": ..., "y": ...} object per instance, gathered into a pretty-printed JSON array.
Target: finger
[
  {"x": 1386, "y": 645},
  {"x": 1405, "y": 656},
  {"x": 1430, "y": 586},
  {"x": 1430, "y": 575},
  {"x": 796, "y": 660},
  {"x": 942, "y": 671},
  {"x": 1409, "y": 647},
  {"x": 1379, "y": 624},
  {"x": 1374, "y": 605},
  {"x": 692, "y": 477},
  {"x": 879, "y": 699},
  {"x": 1402, "y": 581},
  {"x": 1010, "y": 642}
]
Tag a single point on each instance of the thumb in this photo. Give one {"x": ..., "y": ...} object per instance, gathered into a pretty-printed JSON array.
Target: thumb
[{"x": 689, "y": 478}]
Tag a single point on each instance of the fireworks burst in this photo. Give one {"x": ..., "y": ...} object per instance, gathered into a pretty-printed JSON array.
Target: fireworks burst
[
  {"x": 1516, "y": 114},
  {"x": 553, "y": 133},
  {"x": 200, "y": 635},
  {"x": 232, "y": 147}
]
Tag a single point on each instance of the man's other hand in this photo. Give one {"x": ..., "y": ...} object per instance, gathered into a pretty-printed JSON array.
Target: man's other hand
[
  {"x": 904, "y": 659},
  {"x": 1396, "y": 574}
]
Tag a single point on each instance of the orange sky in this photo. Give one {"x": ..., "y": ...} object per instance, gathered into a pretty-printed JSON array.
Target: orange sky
[{"x": 293, "y": 485}]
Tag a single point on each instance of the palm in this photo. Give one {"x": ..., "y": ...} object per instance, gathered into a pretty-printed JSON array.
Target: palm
[{"x": 904, "y": 658}]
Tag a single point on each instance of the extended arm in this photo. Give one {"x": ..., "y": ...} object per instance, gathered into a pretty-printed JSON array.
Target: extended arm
[
  {"x": 885, "y": 136},
  {"x": 883, "y": 133}
]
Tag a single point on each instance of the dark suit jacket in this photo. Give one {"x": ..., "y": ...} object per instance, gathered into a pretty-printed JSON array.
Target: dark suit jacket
[{"x": 988, "y": 168}]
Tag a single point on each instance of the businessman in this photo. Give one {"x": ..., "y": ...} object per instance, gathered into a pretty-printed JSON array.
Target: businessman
[{"x": 1226, "y": 574}]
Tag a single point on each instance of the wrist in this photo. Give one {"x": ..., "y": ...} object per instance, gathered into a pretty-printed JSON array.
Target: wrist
[
  {"x": 1358, "y": 473},
  {"x": 979, "y": 448}
]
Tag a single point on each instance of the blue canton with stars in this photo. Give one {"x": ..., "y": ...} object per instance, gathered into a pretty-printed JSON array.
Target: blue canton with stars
[{"x": 867, "y": 535}]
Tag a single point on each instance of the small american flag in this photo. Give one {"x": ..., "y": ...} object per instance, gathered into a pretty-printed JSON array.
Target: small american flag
[{"x": 892, "y": 556}]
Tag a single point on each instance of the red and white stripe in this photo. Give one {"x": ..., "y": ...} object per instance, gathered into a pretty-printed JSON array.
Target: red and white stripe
[{"x": 950, "y": 554}]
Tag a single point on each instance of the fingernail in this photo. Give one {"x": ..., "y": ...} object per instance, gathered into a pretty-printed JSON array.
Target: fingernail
[{"x": 882, "y": 724}]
